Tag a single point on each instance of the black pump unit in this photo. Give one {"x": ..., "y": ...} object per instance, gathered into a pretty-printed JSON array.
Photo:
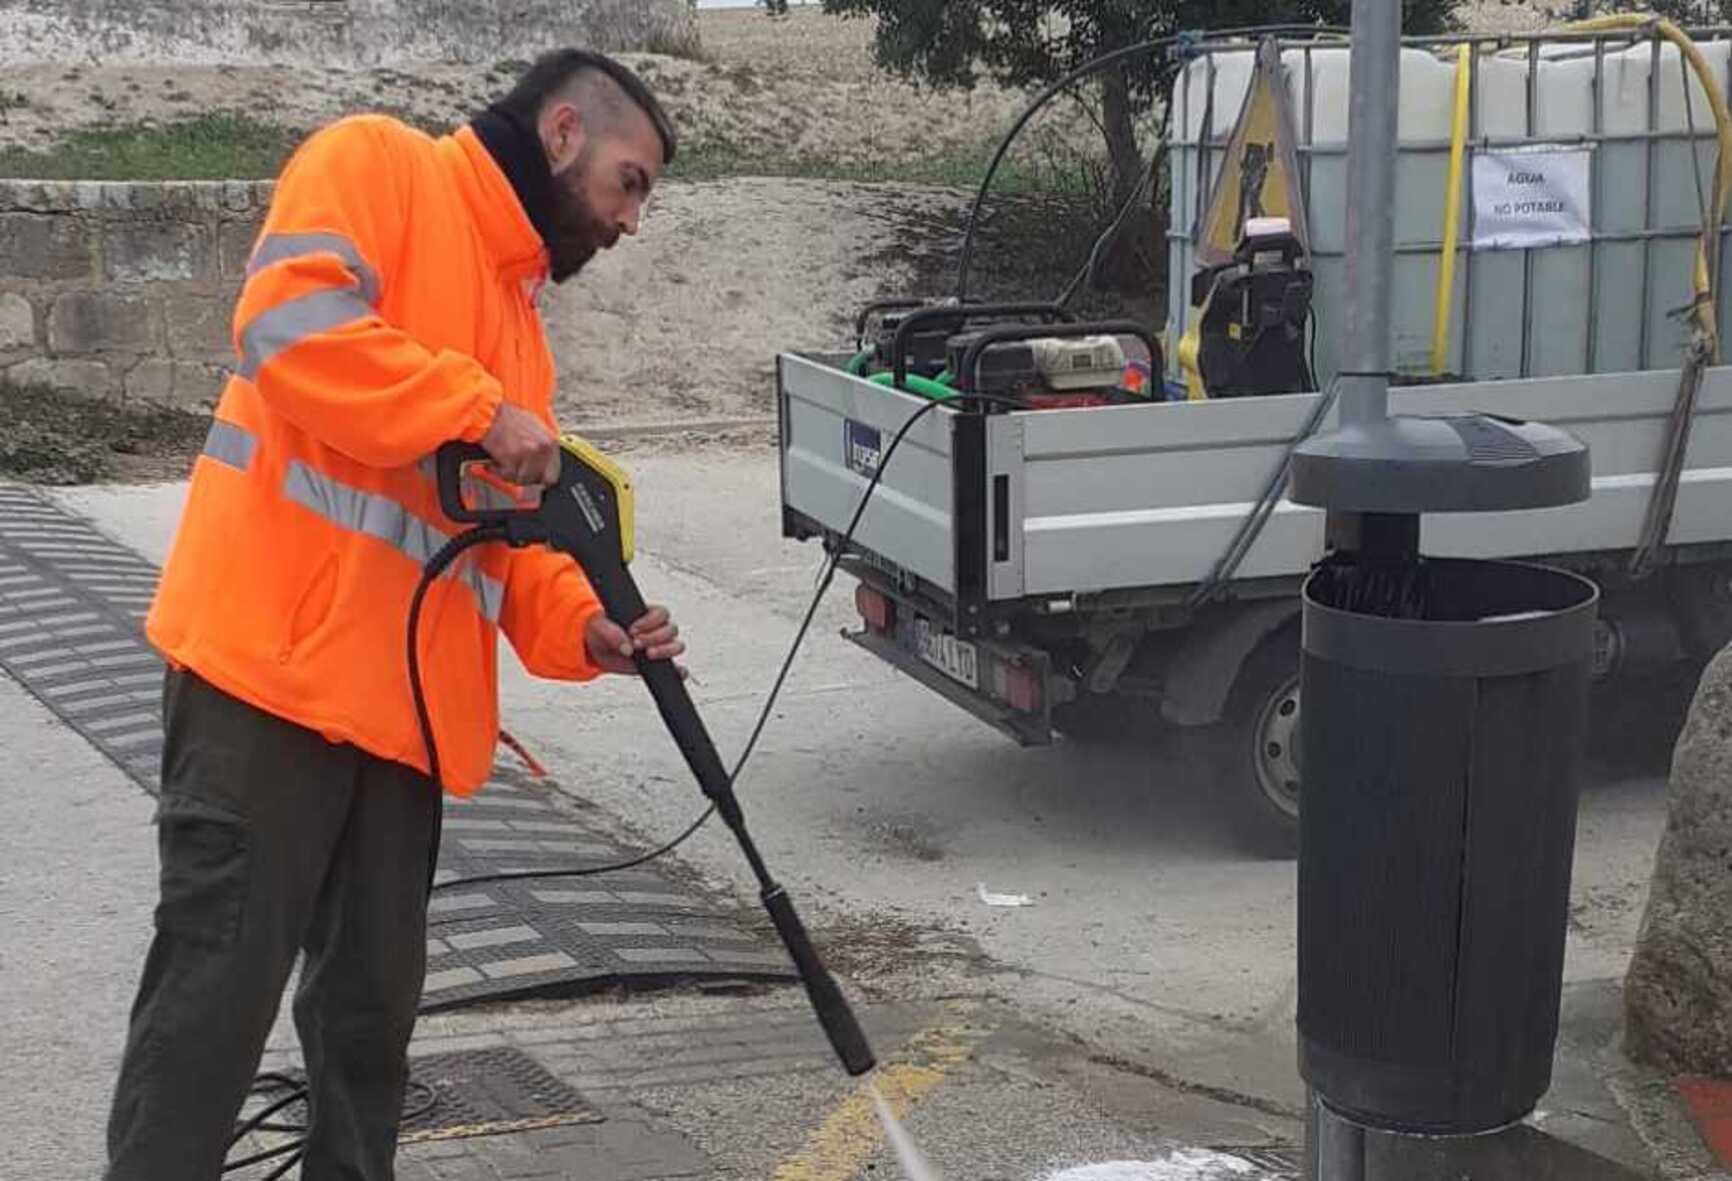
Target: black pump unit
[
  {"x": 1003, "y": 360},
  {"x": 1006, "y": 369},
  {"x": 1256, "y": 310},
  {"x": 916, "y": 339},
  {"x": 925, "y": 349}
]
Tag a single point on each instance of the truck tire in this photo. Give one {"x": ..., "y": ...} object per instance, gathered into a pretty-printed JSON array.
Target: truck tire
[
  {"x": 1637, "y": 722},
  {"x": 1254, "y": 748}
]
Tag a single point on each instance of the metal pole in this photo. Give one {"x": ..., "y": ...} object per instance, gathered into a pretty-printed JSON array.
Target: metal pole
[
  {"x": 1374, "y": 106},
  {"x": 1335, "y": 1147}
]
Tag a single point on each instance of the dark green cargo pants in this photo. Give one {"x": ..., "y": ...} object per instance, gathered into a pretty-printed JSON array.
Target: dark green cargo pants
[{"x": 274, "y": 841}]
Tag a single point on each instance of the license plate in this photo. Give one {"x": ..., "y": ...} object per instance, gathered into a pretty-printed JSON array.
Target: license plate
[{"x": 957, "y": 659}]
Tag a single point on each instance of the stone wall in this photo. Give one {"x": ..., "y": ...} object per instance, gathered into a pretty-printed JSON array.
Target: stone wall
[
  {"x": 124, "y": 290},
  {"x": 333, "y": 32}
]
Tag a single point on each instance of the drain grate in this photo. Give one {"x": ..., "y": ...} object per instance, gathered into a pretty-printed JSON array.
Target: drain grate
[
  {"x": 489, "y": 1092},
  {"x": 71, "y": 605},
  {"x": 462, "y": 1095}
]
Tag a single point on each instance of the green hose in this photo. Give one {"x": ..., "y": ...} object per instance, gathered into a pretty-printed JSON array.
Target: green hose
[
  {"x": 915, "y": 384},
  {"x": 939, "y": 390}
]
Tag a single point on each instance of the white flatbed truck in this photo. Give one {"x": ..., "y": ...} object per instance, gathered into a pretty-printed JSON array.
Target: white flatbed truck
[{"x": 1041, "y": 569}]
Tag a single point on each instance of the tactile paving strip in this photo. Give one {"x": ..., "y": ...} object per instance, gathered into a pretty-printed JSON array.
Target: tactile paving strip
[
  {"x": 504, "y": 938},
  {"x": 72, "y": 603}
]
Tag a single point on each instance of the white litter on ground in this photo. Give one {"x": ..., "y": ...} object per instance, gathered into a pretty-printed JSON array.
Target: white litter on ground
[
  {"x": 1183, "y": 1164},
  {"x": 992, "y": 898}
]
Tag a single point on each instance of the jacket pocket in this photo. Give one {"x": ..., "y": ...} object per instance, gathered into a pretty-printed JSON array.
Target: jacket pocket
[
  {"x": 206, "y": 856},
  {"x": 312, "y": 608}
]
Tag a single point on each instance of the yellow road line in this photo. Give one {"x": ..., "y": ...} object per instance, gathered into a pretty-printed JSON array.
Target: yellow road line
[{"x": 838, "y": 1148}]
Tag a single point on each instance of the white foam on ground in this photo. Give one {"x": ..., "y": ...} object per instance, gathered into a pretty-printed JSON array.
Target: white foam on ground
[{"x": 1184, "y": 1164}]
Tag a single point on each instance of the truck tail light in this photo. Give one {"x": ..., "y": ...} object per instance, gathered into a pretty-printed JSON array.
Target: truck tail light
[
  {"x": 1023, "y": 690},
  {"x": 878, "y": 610}
]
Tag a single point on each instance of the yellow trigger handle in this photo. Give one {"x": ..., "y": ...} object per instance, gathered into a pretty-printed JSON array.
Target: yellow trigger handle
[{"x": 591, "y": 457}]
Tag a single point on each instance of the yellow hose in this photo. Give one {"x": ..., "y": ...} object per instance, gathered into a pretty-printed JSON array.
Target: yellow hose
[
  {"x": 1703, "y": 314},
  {"x": 1451, "y": 213}
]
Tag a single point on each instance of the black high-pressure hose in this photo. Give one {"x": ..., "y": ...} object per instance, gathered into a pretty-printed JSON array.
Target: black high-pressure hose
[
  {"x": 294, "y": 1090},
  {"x": 436, "y": 566},
  {"x": 1081, "y": 73},
  {"x": 1251, "y": 528},
  {"x": 488, "y": 533}
]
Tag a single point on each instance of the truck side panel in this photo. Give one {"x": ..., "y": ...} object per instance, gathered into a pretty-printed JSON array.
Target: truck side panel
[
  {"x": 1624, "y": 419},
  {"x": 1139, "y": 497},
  {"x": 1147, "y": 497},
  {"x": 831, "y": 424}
]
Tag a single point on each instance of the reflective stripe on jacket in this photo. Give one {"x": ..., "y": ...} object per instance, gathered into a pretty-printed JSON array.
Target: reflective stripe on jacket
[{"x": 388, "y": 308}]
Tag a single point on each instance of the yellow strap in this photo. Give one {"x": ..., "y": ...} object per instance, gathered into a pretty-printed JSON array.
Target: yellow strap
[
  {"x": 1190, "y": 357},
  {"x": 1451, "y": 212},
  {"x": 1704, "y": 318}
]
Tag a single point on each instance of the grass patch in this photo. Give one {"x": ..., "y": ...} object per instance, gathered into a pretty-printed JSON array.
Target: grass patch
[
  {"x": 51, "y": 437},
  {"x": 231, "y": 146},
  {"x": 217, "y": 146},
  {"x": 719, "y": 160}
]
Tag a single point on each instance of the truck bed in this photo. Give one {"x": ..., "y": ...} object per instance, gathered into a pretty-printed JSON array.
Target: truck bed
[{"x": 989, "y": 510}]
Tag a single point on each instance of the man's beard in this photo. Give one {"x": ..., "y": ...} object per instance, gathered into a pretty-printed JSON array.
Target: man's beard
[{"x": 578, "y": 235}]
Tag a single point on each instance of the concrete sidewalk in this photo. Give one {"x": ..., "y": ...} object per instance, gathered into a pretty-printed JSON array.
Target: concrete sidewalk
[{"x": 745, "y": 1087}]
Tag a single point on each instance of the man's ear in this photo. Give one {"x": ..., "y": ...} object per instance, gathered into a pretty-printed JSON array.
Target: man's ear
[{"x": 562, "y": 134}]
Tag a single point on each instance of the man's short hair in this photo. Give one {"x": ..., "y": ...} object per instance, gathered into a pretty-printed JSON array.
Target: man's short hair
[{"x": 554, "y": 72}]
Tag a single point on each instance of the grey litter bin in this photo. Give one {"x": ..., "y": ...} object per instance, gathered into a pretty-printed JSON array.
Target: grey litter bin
[{"x": 1440, "y": 751}]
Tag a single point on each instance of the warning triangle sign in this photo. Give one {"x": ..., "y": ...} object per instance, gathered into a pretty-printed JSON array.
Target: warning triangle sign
[{"x": 1260, "y": 174}]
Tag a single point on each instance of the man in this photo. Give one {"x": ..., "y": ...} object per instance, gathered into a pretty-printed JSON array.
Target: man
[{"x": 389, "y": 308}]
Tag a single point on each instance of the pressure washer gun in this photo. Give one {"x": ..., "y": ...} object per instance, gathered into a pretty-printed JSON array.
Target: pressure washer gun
[{"x": 588, "y": 514}]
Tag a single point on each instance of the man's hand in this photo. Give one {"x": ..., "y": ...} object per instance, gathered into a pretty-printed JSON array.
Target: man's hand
[
  {"x": 655, "y": 635},
  {"x": 523, "y": 450}
]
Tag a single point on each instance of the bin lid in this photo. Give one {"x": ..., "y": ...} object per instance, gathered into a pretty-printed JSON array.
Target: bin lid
[{"x": 1458, "y": 463}]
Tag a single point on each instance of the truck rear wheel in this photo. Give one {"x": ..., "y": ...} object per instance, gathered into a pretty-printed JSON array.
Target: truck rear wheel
[{"x": 1255, "y": 748}]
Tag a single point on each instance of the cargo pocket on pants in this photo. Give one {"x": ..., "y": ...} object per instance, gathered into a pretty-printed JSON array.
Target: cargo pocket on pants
[{"x": 206, "y": 860}]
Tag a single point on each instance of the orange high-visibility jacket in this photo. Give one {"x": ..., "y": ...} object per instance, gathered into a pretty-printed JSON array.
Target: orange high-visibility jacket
[{"x": 388, "y": 309}]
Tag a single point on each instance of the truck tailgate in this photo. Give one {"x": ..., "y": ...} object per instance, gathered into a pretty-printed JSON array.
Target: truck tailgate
[{"x": 835, "y": 428}]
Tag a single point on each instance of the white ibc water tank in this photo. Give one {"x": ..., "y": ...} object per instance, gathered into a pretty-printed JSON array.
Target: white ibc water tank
[{"x": 1608, "y": 305}]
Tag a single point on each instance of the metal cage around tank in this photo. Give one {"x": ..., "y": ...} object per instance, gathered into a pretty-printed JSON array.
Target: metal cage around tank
[{"x": 1610, "y": 304}]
